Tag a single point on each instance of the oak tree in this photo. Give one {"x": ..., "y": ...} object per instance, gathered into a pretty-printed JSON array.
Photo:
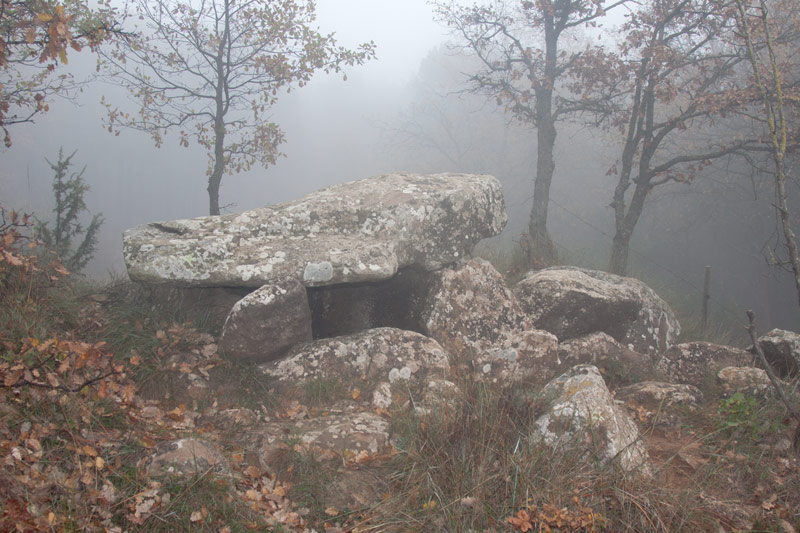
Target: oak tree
[
  {"x": 212, "y": 69},
  {"x": 680, "y": 78},
  {"x": 527, "y": 68},
  {"x": 685, "y": 64},
  {"x": 35, "y": 38}
]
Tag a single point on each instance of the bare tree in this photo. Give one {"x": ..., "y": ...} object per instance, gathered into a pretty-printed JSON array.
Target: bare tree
[
  {"x": 757, "y": 29},
  {"x": 212, "y": 69}
]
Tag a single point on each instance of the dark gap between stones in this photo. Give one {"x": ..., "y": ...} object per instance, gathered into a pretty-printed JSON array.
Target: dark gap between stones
[{"x": 349, "y": 308}]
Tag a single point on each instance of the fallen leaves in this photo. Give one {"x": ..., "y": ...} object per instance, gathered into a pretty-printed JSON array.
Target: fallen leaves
[
  {"x": 548, "y": 517},
  {"x": 269, "y": 497}
]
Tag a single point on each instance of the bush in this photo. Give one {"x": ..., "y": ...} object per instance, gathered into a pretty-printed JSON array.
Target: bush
[{"x": 69, "y": 205}]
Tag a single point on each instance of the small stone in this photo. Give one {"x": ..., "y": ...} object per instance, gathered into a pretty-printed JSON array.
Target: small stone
[{"x": 186, "y": 457}]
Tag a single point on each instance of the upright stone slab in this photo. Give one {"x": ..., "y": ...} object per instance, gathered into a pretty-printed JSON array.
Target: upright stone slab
[
  {"x": 354, "y": 232},
  {"x": 267, "y": 322}
]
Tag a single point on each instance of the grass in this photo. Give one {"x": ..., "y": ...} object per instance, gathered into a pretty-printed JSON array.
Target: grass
[
  {"x": 319, "y": 392},
  {"x": 201, "y": 503},
  {"x": 472, "y": 469}
]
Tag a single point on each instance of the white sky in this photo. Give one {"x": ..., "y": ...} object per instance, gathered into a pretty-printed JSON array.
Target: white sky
[{"x": 403, "y": 30}]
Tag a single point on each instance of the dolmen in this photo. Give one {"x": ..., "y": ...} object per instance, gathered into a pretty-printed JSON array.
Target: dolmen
[{"x": 355, "y": 233}]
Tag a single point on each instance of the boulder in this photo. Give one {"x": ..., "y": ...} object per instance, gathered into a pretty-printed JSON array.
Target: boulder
[
  {"x": 477, "y": 319},
  {"x": 267, "y": 322},
  {"x": 348, "y": 436},
  {"x": 354, "y": 232},
  {"x": 697, "y": 363},
  {"x": 570, "y": 302},
  {"x": 578, "y": 412},
  {"x": 663, "y": 403},
  {"x": 782, "y": 350},
  {"x": 442, "y": 398},
  {"x": 186, "y": 457},
  {"x": 619, "y": 364},
  {"x": 744, "y": 379},
  {"x": 530, "y": 356},
  {"x": 384, "y": 364}
]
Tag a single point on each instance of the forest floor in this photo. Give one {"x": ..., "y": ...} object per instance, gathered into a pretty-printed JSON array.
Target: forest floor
[{"x": 95, "y": 378}]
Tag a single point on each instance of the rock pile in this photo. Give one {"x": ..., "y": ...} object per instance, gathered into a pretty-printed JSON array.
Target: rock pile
[{"x": 369, "y": 286}]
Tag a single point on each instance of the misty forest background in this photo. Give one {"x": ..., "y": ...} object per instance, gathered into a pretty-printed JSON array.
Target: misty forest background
[{"x": 408, "y": 110}]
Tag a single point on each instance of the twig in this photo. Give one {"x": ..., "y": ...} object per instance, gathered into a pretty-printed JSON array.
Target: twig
[
  {"x": 64, "y": 388},
  {"x": 793, "y": 410}
]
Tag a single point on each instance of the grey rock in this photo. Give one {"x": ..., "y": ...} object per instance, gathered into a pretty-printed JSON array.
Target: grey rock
[
  {"x": 385, "y": 364},
  {"x": 660, "y": 396},
  {"x": 342, "y": 435},
  {"x": 617, "y": 362},
  {"x": 697, "y": 363},
  {"x": 571, "y": 302},
  {"x": 442, "y": 398},
  {"x": 477, "y": 319},
  {"x": 782, "y": 350},
  {"x": 746, "y": 379},
  {"x": 579, "y": 413},
  {"x": 353, "y": 232},
  {"x": 529, "y": 355},
  {"x": 267, "y": 322}
]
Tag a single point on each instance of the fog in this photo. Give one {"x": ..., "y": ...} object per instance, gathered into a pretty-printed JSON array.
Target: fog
[{"x": 403, "y": 112}]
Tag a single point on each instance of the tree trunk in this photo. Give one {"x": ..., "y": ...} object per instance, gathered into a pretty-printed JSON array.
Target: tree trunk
[
  {"x": 541, "y": 251},
  {"x": 215, "y": 178},
  {"x": 783, "y": 211},
  {"x": 625, "y": 225},
  {"x": 619, "y": 253},
  {"x": 213, "y": 185},
  {"x": 222, "y": 103}
]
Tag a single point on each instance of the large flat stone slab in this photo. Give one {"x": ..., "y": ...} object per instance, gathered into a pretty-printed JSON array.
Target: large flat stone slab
[{"x": 353, "y": 232}]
